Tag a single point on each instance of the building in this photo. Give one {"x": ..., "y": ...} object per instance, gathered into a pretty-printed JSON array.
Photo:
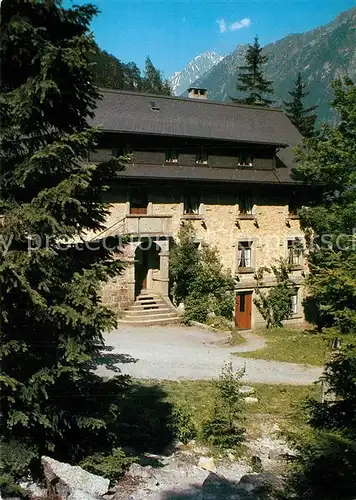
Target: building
[{"x": 224, "y": 167}]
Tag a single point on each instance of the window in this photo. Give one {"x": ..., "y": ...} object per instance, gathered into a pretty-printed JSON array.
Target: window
[
  {"x": 245, "y": 204},
  {"x": 202, "y": 157},
  {"x": 244, "y": 254},
  {"x": 295, "y": 251},
  {"x": 154, "y": 106},
  {"x": 293, "y": 208},
  {"x": 171, "y": 156},
  {"x": 122, "y": 151},
  {"x": 138, "y": 201},
  {"x": 191, "y": 204},
  {"x": 244, "y": 159},
  {"x": 294, "y": 302}
]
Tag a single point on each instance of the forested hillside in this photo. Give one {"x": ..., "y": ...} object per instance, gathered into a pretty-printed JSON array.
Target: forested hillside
[{"x": 110, "y": 72}]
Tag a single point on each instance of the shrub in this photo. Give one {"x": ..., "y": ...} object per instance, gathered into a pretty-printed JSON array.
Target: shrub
[
  {"x": 15, "y": 462},
  {"x": 224, "y": 428},
  {"x": 112, "y": 465},
  {"x": 183, "y": 262},
  {"x": 275, "y": 304},
  {"x": 196, "y": 308},
  {"x": 199, "y": 279},
  {"x": 182, "y": 423}
]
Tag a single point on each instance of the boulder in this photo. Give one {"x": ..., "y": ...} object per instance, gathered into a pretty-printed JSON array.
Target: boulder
[
  {"x": 81, "y": 495},
  {"x": 207, "y": 463},
  {"x": 137, "y": 470},
  {"x": 33, "y": 490},
  {"x": 172, "y": 447},
  {"x": 277, "y": 454},
  {"x": 217, "y": 487},
  {"x": 250, "y": 400},
  {"x": 260, "y": 484},
  {"x": 63, "y": 479}
]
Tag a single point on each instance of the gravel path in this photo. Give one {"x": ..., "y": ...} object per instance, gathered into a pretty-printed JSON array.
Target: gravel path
[{"x": 190, "y": 353}]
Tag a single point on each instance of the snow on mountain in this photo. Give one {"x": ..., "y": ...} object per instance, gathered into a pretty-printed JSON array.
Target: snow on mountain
[{"x": 197, "y": 67}]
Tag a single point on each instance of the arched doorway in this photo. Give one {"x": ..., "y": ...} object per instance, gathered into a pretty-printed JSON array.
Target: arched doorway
[{"x": 146, "y": 262}]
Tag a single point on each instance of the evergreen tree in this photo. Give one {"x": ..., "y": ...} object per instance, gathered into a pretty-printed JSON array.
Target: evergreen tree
[
  {"x": 251, "y": 80},
  {"x": 327, "y": 461},
  {"x": 153, "y": 82},
  {"x": 51, "y": 318},
  {"x": 108, "y": 71},
  {"x": 297, "y": 113},
  {"x": 132, "y": 77}
]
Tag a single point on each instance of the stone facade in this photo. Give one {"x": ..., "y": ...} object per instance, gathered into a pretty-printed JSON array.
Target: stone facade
[{"x": 218, "y": 223}]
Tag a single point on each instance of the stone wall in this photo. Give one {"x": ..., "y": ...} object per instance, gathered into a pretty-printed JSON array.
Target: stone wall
[{"x": 218, "y": 224}]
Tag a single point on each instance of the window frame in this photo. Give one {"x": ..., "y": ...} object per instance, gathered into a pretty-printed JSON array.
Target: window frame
[
  {"x": 202, "y": 157},
  {"x": 295, "y": 254},
  {"x": 295, "y": 302},
  {"x": 244, "y": 154},
  {"x": 242, "y": 246},
  {"x": 171, "y": 156},
  {"x": 190, "y": 196},
  {"x": 246, "y": 199}
]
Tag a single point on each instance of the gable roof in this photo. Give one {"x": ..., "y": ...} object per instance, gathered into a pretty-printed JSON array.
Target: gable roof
[{"x": 134, "y": 112}]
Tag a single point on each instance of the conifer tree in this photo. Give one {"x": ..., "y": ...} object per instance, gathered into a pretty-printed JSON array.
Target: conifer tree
[
  {"x": 51, "y": 319},
  {"x": 327, "y": 461},
  {"x": 153, "y": 82},
  {"x": 251, "y": 80},
  {"x": 296, "y": 111}
]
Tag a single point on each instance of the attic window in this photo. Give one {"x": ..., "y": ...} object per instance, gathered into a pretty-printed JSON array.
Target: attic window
[
  {"x": 154, "y": 106},
  {"x": 244, "y": 159}
]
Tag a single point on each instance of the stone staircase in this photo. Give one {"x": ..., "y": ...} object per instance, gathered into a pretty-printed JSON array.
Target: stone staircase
[{"x": 150, "y": 309}]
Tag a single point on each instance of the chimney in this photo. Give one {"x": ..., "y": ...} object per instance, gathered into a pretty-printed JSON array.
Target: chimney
[{"x": 197, "y": 93}]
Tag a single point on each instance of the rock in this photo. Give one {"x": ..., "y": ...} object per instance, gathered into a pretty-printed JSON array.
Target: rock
[
  {"x": 218, "y": 487},
  {"x": 277, "y": 454},
  {"x": 250, "y": 400},
  {"x": 246, "y": 389},
  {"x": 63, "y": 479},
  {"x": 172, "y": 447},
  {"x": 207, "y": 463},
  {"x": 260, "y": 483},
  {"x": 81, "y": 495},
  {"x": 137, "y": 470},
  {"x": 231, "y": 456},
  {"x": 34, "y": 490}
]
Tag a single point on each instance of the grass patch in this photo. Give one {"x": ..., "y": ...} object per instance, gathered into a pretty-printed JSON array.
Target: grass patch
[
  {"x": 281, "y": 404},
  {"x": 294, "y": 346},
  {"x": 236, "y": 338},
  {"x": 222, "y": 324}
]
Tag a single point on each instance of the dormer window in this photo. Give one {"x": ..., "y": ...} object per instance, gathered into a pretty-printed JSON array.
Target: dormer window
[
  {"x": 202, "y": 157},
  {"x": 244, "y": 159},
  {"x": 172, "y": 156}
]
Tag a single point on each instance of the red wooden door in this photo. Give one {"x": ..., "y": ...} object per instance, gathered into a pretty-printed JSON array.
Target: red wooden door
[{"x": 243, "y": 307}]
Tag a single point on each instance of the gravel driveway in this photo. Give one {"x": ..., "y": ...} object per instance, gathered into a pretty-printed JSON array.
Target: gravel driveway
[{"x": 177, "y": 353}]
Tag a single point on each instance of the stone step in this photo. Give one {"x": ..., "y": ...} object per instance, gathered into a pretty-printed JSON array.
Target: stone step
[
  {"x": 153, "y": 310},
  {"x": 144, "y": 307},
  {"x": 151, "y": 315},
  {"x": 150, "y": 322},
  {"x": 148, "y": 314}
]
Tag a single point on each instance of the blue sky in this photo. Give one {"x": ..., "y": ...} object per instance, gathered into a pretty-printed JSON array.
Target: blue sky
[{"x": 173, "y": 32}]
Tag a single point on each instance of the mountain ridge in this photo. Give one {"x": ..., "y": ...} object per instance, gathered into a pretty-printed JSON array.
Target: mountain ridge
[
  {"x": 198, "y": 66},
  {"x": 321, "y": 54}
]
